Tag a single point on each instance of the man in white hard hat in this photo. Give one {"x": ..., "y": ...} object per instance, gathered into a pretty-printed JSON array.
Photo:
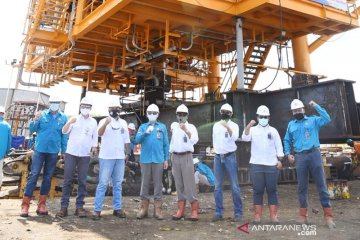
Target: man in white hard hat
[
  {"x": 5, "y": 143},
  {"x": 265, "y": 161},
  {"x": 225, "y": 133},
  {"x": 184, "y": 137},
  {"x": 114, "y": 152},
  {"x": 154, "y": 157},
  {"x": 302, "y": 135},
  {"x": 49, "y": 142},
  {"x": 83, "y": 138}
]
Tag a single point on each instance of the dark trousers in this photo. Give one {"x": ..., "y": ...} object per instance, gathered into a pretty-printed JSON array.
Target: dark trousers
[{"x": 73, "y": 163}]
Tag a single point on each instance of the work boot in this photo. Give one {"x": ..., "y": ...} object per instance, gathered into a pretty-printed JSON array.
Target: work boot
[
  {"x": 25, "y": 206},
  {"x": 157, "y": 210},
  {"x": 119, "y": 213},
  {"x": 42, "y": 209},
  {"x": 180, "y": 211},
  {"x": 144, "y": 209},
  {"x": 328, "y": 215},
  {"x": 96, "y": 215},
  {"x": 258, "y": 214},
  {"x": 303, "y": 214},
  {"x": 80, "y": 212},
  {"x": 62, "y": 213},
  {"x": 194, "y": 211},
  {"x": 273, "y": 214}
]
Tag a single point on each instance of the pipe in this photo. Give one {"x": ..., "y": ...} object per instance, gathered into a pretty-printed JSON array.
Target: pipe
[
  {"x": 21, "y": 70},
  {"x": 127, "y": 45},
  {"x": 240, "y": 55},
  {"x": 191, "y": 43},
  {"x": 133, "y": 40}
]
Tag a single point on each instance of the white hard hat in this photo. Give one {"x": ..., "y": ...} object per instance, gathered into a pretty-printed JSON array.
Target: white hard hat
[
  {"x": 55, "y": 99},
  {"x": 182, "y": 108},
  {"x": 131, "y": 126},
  {"x": 195, "y": 160},
  {"x": 2, "y": 109},
  {"x": 226, "y": 107},
  {"x": 86, "y": 101},
  {"x": 263, "y": 111},
  {"x": 152, "y": 108},
  {"x": 114, "y": 103},
  {"x": 296, "y": 103}
]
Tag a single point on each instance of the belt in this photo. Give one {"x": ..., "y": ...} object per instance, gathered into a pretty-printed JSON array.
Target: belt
[
  {"x": 181, "y": 153},
  {"x": 308, "y": 151},
  {"x": 225, "y": 154}
]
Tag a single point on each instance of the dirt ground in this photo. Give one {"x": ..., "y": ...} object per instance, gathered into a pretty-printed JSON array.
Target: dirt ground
[{"x": 347, "y": 218}]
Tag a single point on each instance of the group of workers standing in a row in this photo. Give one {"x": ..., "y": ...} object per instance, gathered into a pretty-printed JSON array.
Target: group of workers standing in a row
[{"x": 301, "y": 144}]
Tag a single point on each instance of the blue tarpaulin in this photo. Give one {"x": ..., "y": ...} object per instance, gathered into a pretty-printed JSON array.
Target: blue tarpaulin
[{"x": 16, "y": 141}]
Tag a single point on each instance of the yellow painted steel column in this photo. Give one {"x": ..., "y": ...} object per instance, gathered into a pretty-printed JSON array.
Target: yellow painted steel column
[
  {"x": 301, "y": 54},
  {"x": 214, "y": 75},
  {"x": 79, "y": 11}
]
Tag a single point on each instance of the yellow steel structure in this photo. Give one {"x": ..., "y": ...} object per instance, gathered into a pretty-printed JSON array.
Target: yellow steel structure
[{"x": 108, "y": 44}]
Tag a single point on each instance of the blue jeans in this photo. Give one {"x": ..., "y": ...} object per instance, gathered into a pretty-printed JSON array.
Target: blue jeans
[
  {"x": 262, "y": 177},
  {"x": 229, "y": 164},
  {"x": 48, "y": 160},
  {"x": 113, "y": 168},
  {"x": 311, "y": 162},
  {"x": 72, "y": 163}
]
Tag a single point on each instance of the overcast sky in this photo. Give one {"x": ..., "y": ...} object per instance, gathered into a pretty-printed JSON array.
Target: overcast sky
[{"x": 338, "y": 58}]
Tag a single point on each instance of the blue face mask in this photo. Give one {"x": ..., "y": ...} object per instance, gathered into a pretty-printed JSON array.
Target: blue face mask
[
  {"x": 152, "y": 117},
  {"x": 263, "y": 122},
  {"x": 54, "y": 107}
]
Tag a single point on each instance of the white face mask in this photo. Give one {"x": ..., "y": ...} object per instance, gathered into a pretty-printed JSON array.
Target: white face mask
[
  {"x": 54, "y": 107},
  {"x": 152, "y": 118},
  {"x": 263, "y": 121},
  {"x": 85, "y": 111}
]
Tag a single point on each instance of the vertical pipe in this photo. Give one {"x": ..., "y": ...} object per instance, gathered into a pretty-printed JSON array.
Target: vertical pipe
[
  {"x": 301, "y": 54},
  {"x": 240, "y": 55},
  {"x": 214, "y": 75}
]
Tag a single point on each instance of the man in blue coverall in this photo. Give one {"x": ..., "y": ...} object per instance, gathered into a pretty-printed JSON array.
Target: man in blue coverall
[
  {"x": 5, "y": 140},
  {"x": 49, "y": 142},
  {"x": 154, "y": 157},
  {"x": 302, "y": 136}
]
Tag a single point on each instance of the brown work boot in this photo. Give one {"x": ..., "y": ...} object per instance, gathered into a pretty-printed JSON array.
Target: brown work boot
[
  {"x": 96, "y": 215},
  {"x": 180, "y": 211},
  {"x": 157, "y": 210},
  {"x": 25, "y": 206},
  {"x": 274, "y": 213},
  {"x": 258, "y": 214},
  {"x": 144, "y": 209},
  {"x": 303, "y": 214},
  {"x": 328, "y": 215},
  {"x": 194, "y": 211},
  {"x": 42, "y": 209},
  {"x": 80, "y": 212},
  {"x": 62, "y": 213}
]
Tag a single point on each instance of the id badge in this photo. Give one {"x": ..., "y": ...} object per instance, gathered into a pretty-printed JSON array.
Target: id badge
[
  {"x": 185, "y": 139},
  {"x": 122, "y": 131},
  {"x": 307, "y": 135},
  {"x": 226, "y": 134},
  {"x": 158, "y": 134}
]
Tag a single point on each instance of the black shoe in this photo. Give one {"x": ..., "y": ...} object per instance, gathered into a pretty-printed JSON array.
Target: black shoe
[
  {"x": 217, "y": 218},
  {"x": 119, "y": 213},
  {"x": 96, "y": 216}
]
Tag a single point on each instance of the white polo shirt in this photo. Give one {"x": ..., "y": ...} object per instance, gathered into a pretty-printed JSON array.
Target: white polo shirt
[
  {"x": 222, "y": 141},
  {"x": 83, "y": 135},
  {"x": 113, "y": 141},
  {"x": 266, "y": 145},
  {"x": 180, "y": 141}
]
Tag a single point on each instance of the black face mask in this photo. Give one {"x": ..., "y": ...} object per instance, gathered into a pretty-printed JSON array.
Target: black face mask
[
  {"x": 224, "y": 116},
  {"x": 299, "y": 116},
  {"x": 114, "y": 113}
]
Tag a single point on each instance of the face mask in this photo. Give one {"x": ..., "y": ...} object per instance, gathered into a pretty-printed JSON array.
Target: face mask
[
  {"x": 263, "y": 122},
  {"x": 54, "y": 107},
  {"x": 224, "y": 116},
  {"x": 299, "y": 116},
  {"x": 182, "y": 119},
  {"x": 85, "y": 111},
  {"x": 114, "y": 113},
  {"x": 152, "y": 118}
]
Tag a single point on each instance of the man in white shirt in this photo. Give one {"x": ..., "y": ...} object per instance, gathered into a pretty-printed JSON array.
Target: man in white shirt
[
  {"x": 266, "y": 153},
  {"x": 115, "y": 142},
  {"x": 184, "y": 137},
  {"x": 225, "y": 133},
  {"x": 83, "y": 138}
]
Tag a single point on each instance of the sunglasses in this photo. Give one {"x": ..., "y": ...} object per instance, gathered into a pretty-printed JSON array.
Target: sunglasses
[{"x": 263, "y": 117}]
